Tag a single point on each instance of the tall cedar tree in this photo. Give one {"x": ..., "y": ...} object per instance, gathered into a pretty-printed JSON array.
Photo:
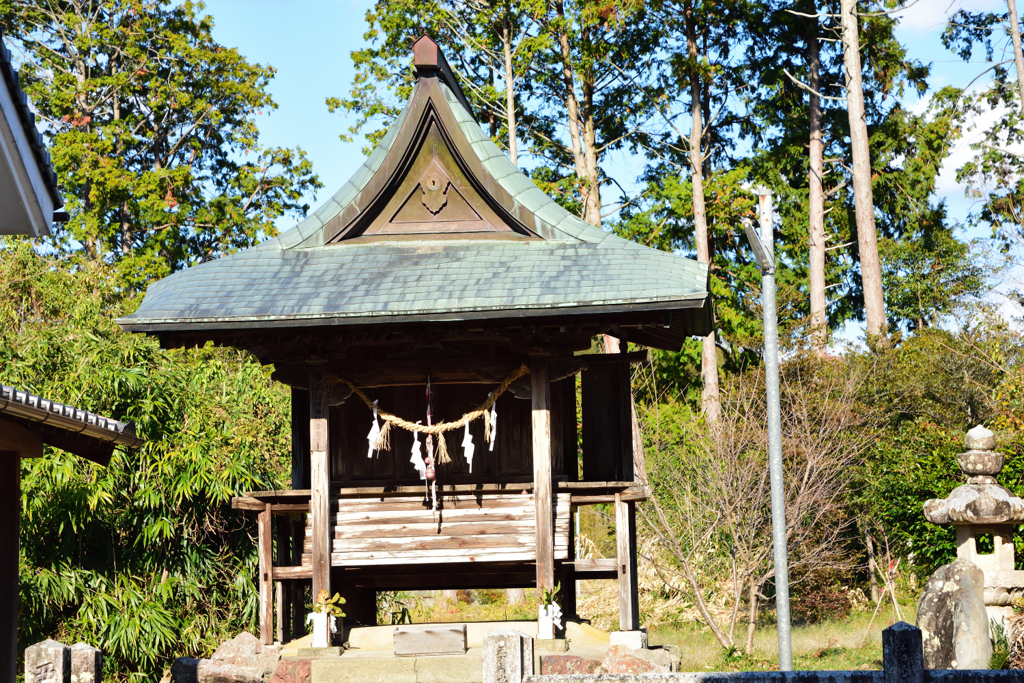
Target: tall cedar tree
[
  {"x": 694, "y": 195},
  {"x": 152, "y": 128},
  {"x": 917, "y": 244}
]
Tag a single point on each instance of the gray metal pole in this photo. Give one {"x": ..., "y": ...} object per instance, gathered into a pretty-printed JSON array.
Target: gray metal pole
[{"x": 771, "y": 371}]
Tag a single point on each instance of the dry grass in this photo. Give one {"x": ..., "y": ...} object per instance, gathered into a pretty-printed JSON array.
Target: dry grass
[
  {"x": 823, "y": 646},
  {"x": 476, "y": 605},
  {"x": 829, "y": 645}
]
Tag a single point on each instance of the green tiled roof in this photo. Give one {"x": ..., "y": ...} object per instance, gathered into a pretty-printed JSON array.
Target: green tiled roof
[{"x": 297, "y": 280}]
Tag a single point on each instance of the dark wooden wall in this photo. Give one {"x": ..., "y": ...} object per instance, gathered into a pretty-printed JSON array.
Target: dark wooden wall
[
  {"x": 606, "y": 443},
  {"x": 511, "y": 459},
  {"x": 607, "y": 423}
]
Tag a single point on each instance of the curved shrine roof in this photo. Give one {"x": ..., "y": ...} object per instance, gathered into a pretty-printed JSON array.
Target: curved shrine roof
[{"x": 436, "y": 225}]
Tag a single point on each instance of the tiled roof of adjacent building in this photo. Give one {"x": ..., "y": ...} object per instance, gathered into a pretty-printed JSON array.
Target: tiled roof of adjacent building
[
  {"x": 66, "y": 427},
  {"x": 39, "y": 409}
]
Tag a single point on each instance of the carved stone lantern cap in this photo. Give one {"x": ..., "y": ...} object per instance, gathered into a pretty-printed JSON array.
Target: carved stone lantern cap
[{"x": 981, "y": 500}]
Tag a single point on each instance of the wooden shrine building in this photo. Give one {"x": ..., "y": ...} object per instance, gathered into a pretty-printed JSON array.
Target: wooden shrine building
[{"x": 440, "y": 264}]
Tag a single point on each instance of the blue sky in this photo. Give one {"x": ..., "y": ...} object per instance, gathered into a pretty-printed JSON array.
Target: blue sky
[{"x": 309, "y": 44}]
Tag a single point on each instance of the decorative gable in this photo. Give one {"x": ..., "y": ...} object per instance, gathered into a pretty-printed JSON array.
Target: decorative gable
[
  {"x": 435, "y": 197},
  {"x": 431, "y": 181}
]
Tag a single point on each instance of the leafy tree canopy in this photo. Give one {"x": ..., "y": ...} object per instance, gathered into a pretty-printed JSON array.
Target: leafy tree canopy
[
  {"x": 152, "y": 128},
  {"x": 143, "y": 558}
]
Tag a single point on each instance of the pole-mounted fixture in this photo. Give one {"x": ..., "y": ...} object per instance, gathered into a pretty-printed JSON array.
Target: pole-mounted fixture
[
  {"x": 766, "y": 263},
  {"x": 764, "y": 252}
]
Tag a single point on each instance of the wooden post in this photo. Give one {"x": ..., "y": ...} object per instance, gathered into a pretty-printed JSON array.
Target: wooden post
[
  {"x": 296, "y": 589},
  {"x": 320, "y": 480},
  {"x": 542, "y": 490},
  {"x": 284, "y": 597},
  {"x": 625, "y": 542},
  {"x": 567, "y": 575},
  {"x": 266, "y": 549},
  {"x": 10, "y": 521}
]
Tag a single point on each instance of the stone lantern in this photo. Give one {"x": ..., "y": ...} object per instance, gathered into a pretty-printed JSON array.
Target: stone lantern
[{"x": 982, "y": 507}]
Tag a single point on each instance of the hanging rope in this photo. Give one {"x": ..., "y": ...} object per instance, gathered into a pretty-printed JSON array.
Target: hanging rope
[{"x": 390, "y": 419}]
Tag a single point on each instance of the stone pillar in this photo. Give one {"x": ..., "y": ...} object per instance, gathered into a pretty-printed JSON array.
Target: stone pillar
[
  {"x": 508, "y": 656},
  {"x": 47, "y": 662},
  {"x": 902, "y": 655},
  {"x": 86, "y": 664}
]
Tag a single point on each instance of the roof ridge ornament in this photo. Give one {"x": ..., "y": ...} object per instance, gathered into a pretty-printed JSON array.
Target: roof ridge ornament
[{"x": 429, "y": 60}]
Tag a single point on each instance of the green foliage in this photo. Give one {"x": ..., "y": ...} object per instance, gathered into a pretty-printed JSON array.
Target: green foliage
[
  {"x": 151, "y": 125},
  {"x": 143, "y": 558},
  {"x": 664, "y": 220},
  {"x": 930, "y": 390},
  {"x": 383, "y": 81},
  {"x": 393, "y": 607},
  {"x": 1000, "y": 646},
  {"x": 551, "y": 596},
  {"x": 993, "y": 177},
  {"x": 326, "y": 603},
  {"x": 928, "y": 275}
]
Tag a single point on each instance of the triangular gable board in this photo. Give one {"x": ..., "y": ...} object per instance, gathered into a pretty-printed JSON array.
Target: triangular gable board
[
  {"x": 431, "y": 181},
  {"x": 435, "y": 197}
]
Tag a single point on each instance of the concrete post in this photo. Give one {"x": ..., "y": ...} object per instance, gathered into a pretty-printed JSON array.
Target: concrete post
[
  {"x": 902, "y": 655},
  {"x": 47, "y": 662},
  {"x": 508, "y": 656},
  {"x": 86, "y": 664}
]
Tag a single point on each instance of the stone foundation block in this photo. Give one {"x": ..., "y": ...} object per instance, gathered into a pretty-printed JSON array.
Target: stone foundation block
[
  {"x": 636, "y": 640},
  {"x": 566, "y": 664},
  {"x": 47, "y": 662},
  {"x": 86, "y": 664}
]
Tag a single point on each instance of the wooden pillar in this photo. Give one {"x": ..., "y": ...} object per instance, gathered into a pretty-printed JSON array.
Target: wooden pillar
[
  {"x": 320, "y": 480},
  {"x": 283, "y": 528},
  {"x": 10, "y": 522},
  {"x": 567, "y": 575},
  {"x": 266, "y": 549},
  {"x": 625, "y": 542},
  {"x": 298, "y": 588},
  {"x": 542, "y": 490},
  {"x": 295, "y": 590}
]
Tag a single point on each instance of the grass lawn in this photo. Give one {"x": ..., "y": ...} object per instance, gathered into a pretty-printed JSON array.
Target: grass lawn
[{"x": 834, "y": 645}]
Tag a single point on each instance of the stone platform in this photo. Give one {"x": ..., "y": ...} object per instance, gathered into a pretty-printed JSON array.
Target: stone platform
[{"x": 371, "y": 657}]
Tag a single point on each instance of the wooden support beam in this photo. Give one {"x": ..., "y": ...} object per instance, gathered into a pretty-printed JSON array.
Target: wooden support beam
[
  {"x": 542, "y": 484},
  {"x": 266, "y": 549},
  {"x": 600, "y": 568},
  {"x": 296, "y": 572},
  {"x": 279, "y": 613},
  {"x": 283, "y": 527},
  {"x": 320, "y": 482},
  {"x": 625, "y": 543},
  {"x": 297, "y": 589},
  {"x": 10, "y": 521}
]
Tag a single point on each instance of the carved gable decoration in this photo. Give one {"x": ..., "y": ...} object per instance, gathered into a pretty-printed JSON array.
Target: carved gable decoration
[
  {"x": 431, "y": 183},
  {"x": 435, "y": 197}
]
